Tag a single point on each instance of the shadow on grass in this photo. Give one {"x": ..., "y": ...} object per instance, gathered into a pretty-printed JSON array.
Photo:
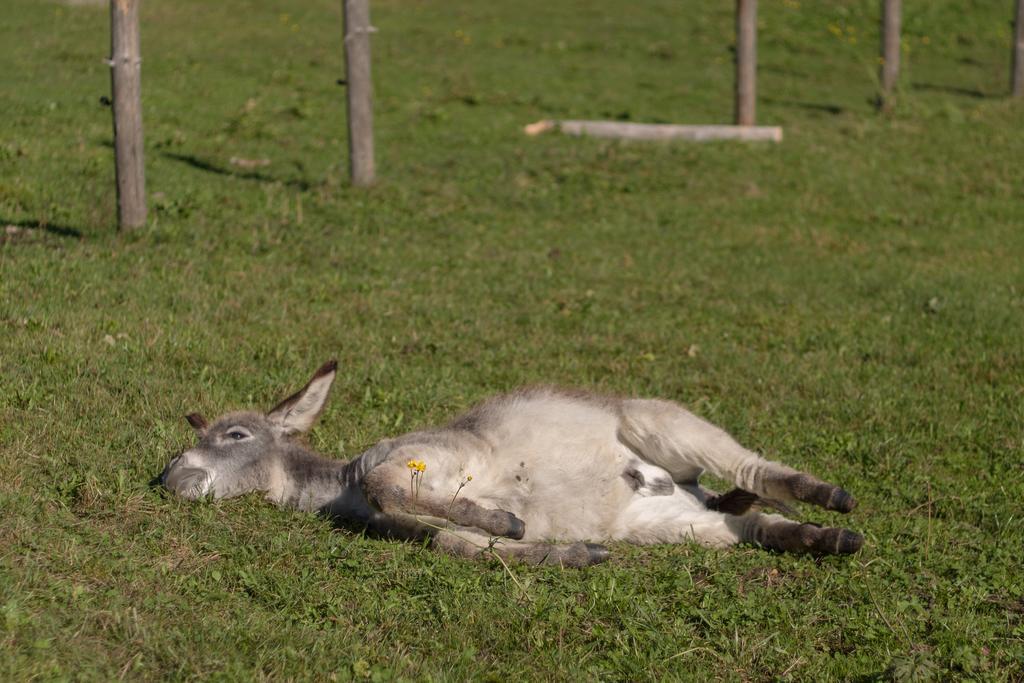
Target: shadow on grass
[
  {"x": 204, "y": 165},
  {"x": 12, "y": 229},
  {"x": 833, "y": 109},
  {"x": 949, "y": 89}
]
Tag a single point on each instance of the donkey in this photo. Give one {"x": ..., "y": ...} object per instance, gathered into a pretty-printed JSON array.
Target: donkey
[{"x": 541, "y": 475}]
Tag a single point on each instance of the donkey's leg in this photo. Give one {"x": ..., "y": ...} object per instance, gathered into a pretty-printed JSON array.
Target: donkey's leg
[
  {"x": 778, "y": 533},
  {"x": 685, "y": 445},
  {"x": 471, "y": 543},
  {"x": 389, "y": 489},
  {"x": 463, "y": 542},
  {"x": 676, "y": 519},
  {"x": 734, "y": 502}
]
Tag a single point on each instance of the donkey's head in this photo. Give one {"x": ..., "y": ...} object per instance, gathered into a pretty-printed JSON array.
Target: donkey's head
[{"x": 242, "y": 452}]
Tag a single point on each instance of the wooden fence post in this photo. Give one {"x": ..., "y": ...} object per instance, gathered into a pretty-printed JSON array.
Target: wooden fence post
[
  {"x": 889, "y": 71},
  {"x": 360, "y": 91},
  {"x": 1017, "y": 72},
  {"x": 125, "y": 82},
  {"x": 746, "y": 62}
]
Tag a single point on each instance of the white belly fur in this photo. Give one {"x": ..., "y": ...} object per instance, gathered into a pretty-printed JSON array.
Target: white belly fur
[{"x": 559, "y": 467}]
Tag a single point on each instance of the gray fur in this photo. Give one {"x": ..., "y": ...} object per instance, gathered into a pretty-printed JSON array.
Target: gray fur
[{"x": 536, "y": 475}]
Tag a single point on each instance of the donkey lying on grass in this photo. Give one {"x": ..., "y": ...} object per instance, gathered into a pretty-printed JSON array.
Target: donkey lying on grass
[{"x": 546, "y": 472}]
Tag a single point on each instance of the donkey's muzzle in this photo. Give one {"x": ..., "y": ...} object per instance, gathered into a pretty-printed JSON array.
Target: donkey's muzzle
[{"x": 189, "y": 482}]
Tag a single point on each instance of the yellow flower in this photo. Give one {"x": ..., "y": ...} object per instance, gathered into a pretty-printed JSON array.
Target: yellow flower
[
  {"x": 469, "y": 477},
  {"x": 416, "y": 465}
]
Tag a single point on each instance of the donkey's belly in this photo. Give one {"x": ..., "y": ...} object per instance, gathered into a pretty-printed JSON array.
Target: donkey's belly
[
  {"x": 561, "y": 468},
  {"x": 573, "y": 494},
  {"x": 645, "y": 515}
]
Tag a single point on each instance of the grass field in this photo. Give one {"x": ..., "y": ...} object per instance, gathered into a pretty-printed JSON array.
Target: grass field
[{"x": 850, "y": 301}]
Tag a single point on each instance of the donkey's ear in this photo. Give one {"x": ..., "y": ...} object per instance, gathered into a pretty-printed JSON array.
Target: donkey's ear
[
  {"x": 197, "y": 421},
  {"x": 298, "y": 412}
]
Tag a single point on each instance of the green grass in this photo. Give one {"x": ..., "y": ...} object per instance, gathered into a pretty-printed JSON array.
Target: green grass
[{"x": 850, "y": 301}]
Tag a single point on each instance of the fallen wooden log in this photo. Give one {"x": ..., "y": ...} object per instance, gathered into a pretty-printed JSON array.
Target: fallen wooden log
[{"x": 656, "y": 131}]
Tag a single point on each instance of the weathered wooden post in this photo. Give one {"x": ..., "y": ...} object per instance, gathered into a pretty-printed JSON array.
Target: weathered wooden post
[
  {"x": 125, "y": 82},
  {"x": 889, "y": 71},
  {"x": 1017, "y": 71},
  {"x": 746, "y": 62},
  {"x": 360, "y": 91}
]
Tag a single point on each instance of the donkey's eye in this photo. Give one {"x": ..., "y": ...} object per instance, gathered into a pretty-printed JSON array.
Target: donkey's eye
[{"x": 236, "y": 433}]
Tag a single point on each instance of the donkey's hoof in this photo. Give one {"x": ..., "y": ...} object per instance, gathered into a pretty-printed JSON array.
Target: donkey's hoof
[
  {"x": 840, "y": 500},
  {"x": 578, "y": 555},
  {"x": 597, "y": 552},
  {"x": 848, "y": 542},
  {"x": 830, "y": 541},
  {"x": 516, "y": 528},
  {"x": 812, "y": 490}
]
